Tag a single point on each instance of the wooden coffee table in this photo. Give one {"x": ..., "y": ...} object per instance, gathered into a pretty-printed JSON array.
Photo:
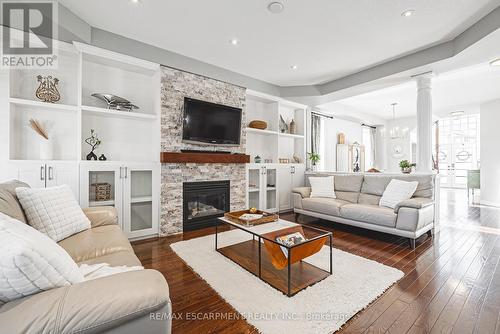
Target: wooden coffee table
[{"x": 257, "y": 254}]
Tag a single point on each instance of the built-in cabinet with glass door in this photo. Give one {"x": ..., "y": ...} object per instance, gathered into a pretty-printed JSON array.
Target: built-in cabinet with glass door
[
  {"x": 130, "y": 188},
  {"x": 262, "y": 189}
]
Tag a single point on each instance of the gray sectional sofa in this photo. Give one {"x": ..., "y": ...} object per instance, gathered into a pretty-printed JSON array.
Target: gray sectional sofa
[{"x": 357, "y": 204}]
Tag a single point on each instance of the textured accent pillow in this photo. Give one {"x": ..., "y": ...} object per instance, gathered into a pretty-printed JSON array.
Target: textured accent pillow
[
  {"x": 322, "y": 187},
  {"x": 9, "y": 204},
  {"x": 53, "y": 211},
  {"x": 396, "y": 192},
  {"x": 31, "y": 262}
]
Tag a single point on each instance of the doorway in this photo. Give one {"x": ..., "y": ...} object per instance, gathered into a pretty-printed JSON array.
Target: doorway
[{"x": 458, "y": 149}]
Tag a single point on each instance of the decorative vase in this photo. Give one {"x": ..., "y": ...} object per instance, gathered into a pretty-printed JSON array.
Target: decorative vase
[
  {"x": 314, "y": 168},
  {"x": 257, "y": 160},
  {"x": 91, "y": 156},
  {"x": 406, "y": 170},
  {"x": 46, "y": 149},
  {"x": 291, "y": 127}
]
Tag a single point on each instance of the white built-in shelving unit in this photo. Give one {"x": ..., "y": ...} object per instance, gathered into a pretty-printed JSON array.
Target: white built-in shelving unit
[
  {"x": 270, "y": 182},
  {"x": 130, "y": 140}
]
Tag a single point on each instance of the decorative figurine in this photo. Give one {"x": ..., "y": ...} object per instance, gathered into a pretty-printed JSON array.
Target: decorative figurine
[
  {"x": 94, "y": 142},
  {"x": 282, "y": 125},
  {"x": 257, "y": 160},
  {"x": 103, "y": 157},
  {"x": 47, "y": 91},
  {"x": 115, "y": 102}
]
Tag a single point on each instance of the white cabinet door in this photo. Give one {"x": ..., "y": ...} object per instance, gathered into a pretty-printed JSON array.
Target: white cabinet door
[
  {"x": 285, "y": 187},
  {"x": 299, "y": 176},
  {"x": 269, "y": 186},
  {"x": 141, "y": 200},
  {"x": 32, "y": 173},
  {"x": 289, "y": 177},
  {"x": 262, "y": 189},
  {"x": 102, "y": 174},
  {"x": 59, "y": 173},
  {"x": 254, "y": 187}
]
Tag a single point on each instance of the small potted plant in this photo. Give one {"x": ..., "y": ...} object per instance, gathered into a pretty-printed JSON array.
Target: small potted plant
[
  {"x": 406, "y": 166},
  {"x": 314, "y": 157}
]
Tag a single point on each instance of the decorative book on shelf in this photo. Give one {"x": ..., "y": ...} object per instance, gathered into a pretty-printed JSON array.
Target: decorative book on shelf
[{"x": 301, "y": 251}]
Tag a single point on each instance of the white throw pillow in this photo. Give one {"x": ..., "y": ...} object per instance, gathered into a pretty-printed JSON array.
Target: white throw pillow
[
  {"x": 31, "y": 262},
  {"x": 397, "y": 191},
  {"x": 322, "y": 187},
  {"x": 53, "y": 211}
]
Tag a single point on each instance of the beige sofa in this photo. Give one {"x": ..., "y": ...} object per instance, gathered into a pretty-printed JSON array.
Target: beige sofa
[
  {"x": 357, "y": 204},
  {"x": 131, "y": 302}
]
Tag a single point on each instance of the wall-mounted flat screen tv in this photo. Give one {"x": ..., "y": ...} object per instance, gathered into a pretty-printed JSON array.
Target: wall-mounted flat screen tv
[{"x": 211, "y": 123}]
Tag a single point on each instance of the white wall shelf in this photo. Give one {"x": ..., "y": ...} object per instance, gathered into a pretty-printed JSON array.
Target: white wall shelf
[
  {"x": 129, "y": 140},
  {"x": 270, "y": 144},
  {"x": 275, "y": 180},
  {"x": 117, "y": 113},
  {"x": 262, "y": 132},
  {"x": 289, "y": 135},
  {"x": 42, "y": 105}
]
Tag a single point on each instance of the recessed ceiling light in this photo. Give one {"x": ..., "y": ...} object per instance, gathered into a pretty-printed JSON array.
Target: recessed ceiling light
[
  {"x": 136, "y": 1},
  {"x": 294, "y": 67},
  {"x": 234, "y": 41},
  {"x": 457, "y": 113},
  {"x": 275, "y": 7},
  {"x": 495, "y": 62},
  {"x": 408, "y": 13}
]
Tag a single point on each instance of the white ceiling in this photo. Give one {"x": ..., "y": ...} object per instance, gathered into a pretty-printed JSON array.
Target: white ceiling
[
  {"x": 326, "y": 39},
  {"x": 463, "y": 89}
]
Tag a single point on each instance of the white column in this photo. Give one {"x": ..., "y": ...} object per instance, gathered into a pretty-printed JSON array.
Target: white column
[{"x": 424, "y": 124}]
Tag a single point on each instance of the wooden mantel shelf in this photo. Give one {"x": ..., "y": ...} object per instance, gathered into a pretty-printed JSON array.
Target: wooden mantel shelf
[{"x": 203, "y": 158}]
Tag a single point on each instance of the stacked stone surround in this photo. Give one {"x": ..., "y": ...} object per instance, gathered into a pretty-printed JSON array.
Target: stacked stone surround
[{"x": 175, "y": 86}]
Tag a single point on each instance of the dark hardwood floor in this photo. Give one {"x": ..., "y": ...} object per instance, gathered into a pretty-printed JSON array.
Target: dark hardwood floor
[{"x": 451, "y": 282}]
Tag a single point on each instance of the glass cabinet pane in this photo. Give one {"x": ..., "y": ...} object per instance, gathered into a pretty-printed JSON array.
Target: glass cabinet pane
[
  {"x": 102, "y": 188},
  {"x": 271, "y": 195},
  {"x": 141, "y": 201}
]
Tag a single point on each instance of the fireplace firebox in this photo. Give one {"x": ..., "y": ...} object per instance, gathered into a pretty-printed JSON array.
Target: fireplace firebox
[{"x": 204, "y": 202}]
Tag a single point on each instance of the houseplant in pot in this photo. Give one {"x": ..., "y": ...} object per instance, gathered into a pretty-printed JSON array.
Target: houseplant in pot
[
  {"x": 314, "y": 157},
  {"x": 406, "y": 166}
]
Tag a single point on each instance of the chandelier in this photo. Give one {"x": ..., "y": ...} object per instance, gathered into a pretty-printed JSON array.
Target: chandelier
[{"x": 396, "y": 132}]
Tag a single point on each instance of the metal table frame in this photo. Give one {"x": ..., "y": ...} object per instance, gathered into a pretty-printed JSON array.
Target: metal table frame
[{"x": 289, "y": 249}]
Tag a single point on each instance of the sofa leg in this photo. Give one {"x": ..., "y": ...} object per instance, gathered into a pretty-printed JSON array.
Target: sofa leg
[
  {"x": 412, "y": 243},
  {"x": 429, "y": 233}
]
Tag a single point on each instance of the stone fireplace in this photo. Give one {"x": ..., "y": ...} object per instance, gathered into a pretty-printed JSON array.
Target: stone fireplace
[{"x": 176, "y": 85}]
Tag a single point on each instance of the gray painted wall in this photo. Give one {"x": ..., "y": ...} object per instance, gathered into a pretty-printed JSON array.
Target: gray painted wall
[{"x": 71, "y": 27}]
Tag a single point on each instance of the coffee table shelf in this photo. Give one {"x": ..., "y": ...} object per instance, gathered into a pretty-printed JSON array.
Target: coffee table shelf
[{"x": 254, "y": 256}]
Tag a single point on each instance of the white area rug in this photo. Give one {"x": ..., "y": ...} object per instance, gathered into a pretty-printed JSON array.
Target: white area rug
[{"x": 321, "y": 308}]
